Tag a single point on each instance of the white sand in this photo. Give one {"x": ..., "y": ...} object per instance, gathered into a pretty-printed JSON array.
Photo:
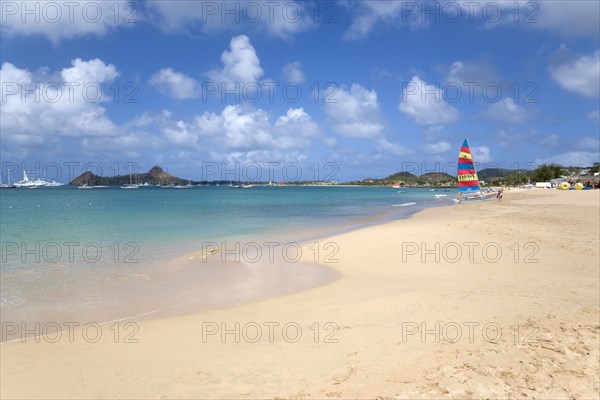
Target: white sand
[{"x": 554, "y": 302}]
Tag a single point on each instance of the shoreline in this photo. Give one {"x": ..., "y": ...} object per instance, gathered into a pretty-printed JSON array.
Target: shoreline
[
  {"x": 381, "y": 293},
  {"x": 184, "y": 269}
]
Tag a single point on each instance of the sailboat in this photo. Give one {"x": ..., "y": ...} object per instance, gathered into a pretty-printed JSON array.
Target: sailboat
[
  {"x": 129, "y": 185},
  {"x": 468, "y": 182}
]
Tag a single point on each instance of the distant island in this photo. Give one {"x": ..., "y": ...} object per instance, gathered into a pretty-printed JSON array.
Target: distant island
[{"x": 156, "y": 176}]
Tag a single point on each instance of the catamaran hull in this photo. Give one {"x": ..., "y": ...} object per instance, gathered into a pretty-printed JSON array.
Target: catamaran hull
[{"x": 490, "y": 196}]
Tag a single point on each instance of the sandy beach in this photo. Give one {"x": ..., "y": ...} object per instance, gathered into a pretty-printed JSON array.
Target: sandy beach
[{"x": 488, "y": 300}]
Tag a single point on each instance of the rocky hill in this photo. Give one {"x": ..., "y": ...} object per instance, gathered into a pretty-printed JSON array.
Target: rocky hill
[
  {"x": 407, "y": 179},
  {"x": 156, "y": 176}
]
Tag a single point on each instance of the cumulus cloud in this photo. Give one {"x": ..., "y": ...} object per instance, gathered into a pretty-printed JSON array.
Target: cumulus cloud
[
  {"x": 51, "y": 113},
  {"x": 507, "y": 111},
  {"x": 92, "y": 71},
  {"x": 58, "y": 20},
  {"x": 38, "y": 105},
  {"x": 355, "y": 112},
  {"x": 240, "y": 64},
  {"x": 293, "y": 72},
  {"x": 577, "y": 73},
  {"x": 297, "y": 122},
  {"x": 175, "y": 84},
  {"x": 425, "y": 104},
  {"x": 244, "y": 128},
  {"x": 181, "y": 134}
]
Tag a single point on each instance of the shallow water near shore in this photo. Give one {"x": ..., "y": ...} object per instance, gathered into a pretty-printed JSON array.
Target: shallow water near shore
[{"x": 108, "y": 254}]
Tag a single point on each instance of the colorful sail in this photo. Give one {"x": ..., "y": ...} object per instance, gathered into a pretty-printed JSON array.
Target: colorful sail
[{"x": 467, "y": 176}]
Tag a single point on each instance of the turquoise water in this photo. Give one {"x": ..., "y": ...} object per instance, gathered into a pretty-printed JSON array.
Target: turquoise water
[
  {"x": 44, "y": 233},
  {"x": 160, "y": 217}
]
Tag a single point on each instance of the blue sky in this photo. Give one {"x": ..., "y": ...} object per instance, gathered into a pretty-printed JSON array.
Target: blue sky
[{"x": 371, "y": 87}]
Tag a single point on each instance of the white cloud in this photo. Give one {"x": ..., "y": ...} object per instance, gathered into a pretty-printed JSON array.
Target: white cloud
[
  {"x": 175, "y": 84},
  {"x": 240, "y": 64},
  {"x": 236, "y": 133},
  {"x": 95, "y": 71},
  {"x": 279, "y": 19},
  {"x": 577, "y": 73},
  {"x": 58, "y": 20},
  {"x": 246, "y": 129},
  {"x": 594, "y": 116},
  {"x": 182, "y": 135},
  {"x": 65, "y": 117},
  {"x": 293, "y": 72},
  {"x": 366, "y": 15},
  {"x": 425, "y": 104},
  {"x": 481, "y": 154},
  {"x": 39, "y": 107},
  {"x": 572, "y": 159},
  {"x": 355, "y": 112},
  {"x": 507, "y": 111},
  {"x": 243, "y": 129},
  {"x": 297, "y": 122}
]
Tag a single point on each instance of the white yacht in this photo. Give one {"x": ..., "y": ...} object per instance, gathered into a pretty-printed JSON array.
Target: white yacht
[{"x": 25, "y": 182}]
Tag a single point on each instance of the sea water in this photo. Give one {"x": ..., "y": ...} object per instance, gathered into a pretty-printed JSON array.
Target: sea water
[{"x": 106, "y": 254}]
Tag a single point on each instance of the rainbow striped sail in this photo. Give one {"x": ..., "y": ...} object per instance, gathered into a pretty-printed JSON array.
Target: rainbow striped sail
[{"x": 467, "y": 176}]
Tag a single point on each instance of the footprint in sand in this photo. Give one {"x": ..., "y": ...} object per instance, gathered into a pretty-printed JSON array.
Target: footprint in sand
[{"x": 351, "y": 370}]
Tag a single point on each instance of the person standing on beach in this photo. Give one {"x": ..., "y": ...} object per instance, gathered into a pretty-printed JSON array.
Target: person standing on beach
[{"x": 499, "y": 195}]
